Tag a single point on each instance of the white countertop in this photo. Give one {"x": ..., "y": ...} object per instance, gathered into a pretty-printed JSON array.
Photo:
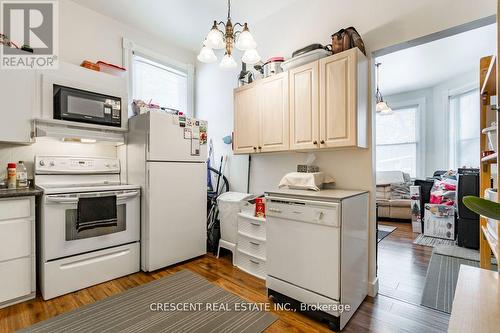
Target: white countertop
[{"x": 328, "y": 194}]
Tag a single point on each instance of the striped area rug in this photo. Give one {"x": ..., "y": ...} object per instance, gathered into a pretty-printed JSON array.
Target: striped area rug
[
  {"x": 441, "y": 281},
  {"x": 182, "y": 302},
  {"x": 432, "y": 241}
]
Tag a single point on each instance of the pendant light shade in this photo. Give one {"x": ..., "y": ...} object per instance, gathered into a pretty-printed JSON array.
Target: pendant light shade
[
  {"x": 382, "y": 107},
  {"x": 251, "y": 57},
  {"x": 245, "y": 40},
  {"x": 207, "y": 55},
  {"x": 215, "y": 39},
  {"x": 228, "y": 62}
]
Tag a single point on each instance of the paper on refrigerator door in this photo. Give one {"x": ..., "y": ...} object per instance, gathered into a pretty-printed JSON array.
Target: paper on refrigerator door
[{"x": 195, "y": 147}]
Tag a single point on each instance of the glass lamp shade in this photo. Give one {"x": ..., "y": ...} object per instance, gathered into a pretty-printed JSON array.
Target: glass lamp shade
[
  {"x": 215, "y": 39},
  {"x": 251, "y": 57},
  {"x": 245, "y": 41},
  {"x": 228, "y": 62},
  {"x": 207, "y": 55},
  {"x": 383, "y": 108}
]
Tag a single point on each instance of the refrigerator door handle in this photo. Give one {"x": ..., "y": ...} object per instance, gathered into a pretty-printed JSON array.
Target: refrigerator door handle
[{"x": 148, "y": 140}]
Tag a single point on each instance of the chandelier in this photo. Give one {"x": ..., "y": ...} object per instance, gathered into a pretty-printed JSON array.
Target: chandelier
[{"x": 218, "y": 39}]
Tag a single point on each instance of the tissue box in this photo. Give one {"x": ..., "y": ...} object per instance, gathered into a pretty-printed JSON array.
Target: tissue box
[
  {"x": 439, "y": 221},
  {"x": 307, "y": 168}
]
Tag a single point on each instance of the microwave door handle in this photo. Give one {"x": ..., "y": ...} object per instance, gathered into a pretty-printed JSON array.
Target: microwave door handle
[{"x": 127, "y": 195}]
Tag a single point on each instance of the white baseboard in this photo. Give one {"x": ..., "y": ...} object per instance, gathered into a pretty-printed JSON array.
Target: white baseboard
[{"x": 373, "y": 287}]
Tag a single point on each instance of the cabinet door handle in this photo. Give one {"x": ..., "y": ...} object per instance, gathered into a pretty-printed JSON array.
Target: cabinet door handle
[
  {"x": 315, "y": 142},
  {"x": 254, "y": 148},
  {"x": 260, "y": 147},
  {"x": 322, "y": 142}
]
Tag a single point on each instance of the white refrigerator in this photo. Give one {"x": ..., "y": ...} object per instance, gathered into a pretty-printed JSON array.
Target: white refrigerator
[{"x": 166, "y": 155}]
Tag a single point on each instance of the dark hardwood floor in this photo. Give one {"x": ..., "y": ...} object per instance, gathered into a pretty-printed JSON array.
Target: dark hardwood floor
[
  {"x": 379, "y": 314},
  {"x": 402, "y": 265}
]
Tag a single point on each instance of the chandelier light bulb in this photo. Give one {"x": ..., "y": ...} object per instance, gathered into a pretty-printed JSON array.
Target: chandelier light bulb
[
  {"x": 245, "y": 40},
  {"x": 228, "y": 62},
  {"x": 207, "y": 55},
  {"x": 251, "y": 57},
  {"x": 215, "y": 39}
]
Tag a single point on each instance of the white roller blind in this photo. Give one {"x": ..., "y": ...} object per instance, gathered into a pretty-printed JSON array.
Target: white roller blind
[{"x": 160, "y": 84}]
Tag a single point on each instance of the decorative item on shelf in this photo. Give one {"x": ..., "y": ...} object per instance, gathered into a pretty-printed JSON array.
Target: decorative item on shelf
[
  {"x": 218, "y": 39},
  {"x": 382, "y": 106},
  {"x": 90, "y": 65}
]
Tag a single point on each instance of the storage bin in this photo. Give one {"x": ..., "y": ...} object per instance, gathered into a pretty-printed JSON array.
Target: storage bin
[{"x": 250, "y": 264}]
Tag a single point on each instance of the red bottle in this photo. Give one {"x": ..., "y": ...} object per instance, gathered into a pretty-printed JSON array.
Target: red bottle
[{"x": 260, "y": 207}]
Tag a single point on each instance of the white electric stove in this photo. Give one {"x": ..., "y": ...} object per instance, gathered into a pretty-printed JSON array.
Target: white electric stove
[{"x": 89, "y": 226}]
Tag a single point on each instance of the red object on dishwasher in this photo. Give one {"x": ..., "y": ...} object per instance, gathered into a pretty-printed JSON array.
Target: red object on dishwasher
[{"x": 260, "y": 207}]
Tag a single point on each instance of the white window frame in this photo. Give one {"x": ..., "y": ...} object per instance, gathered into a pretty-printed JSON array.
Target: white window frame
[
  {"x": 451, "y": 160},
  {"x": 130, "y": 48},
  {"x": 420, "y": 104}
]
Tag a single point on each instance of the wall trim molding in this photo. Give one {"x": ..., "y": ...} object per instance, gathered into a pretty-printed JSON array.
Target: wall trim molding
[{"x": 373, "y": 287}]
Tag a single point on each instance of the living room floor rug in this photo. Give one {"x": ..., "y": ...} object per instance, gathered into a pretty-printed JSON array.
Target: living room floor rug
[
  {"x": 136, "y": 310},
  {"x": 432, "y": 241},
  {"x": 384, "y": 231}
]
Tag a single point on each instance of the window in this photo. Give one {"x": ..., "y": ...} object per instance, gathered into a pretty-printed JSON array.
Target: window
[
  {"x": 160, "y": 84},
  {"x": 397, "y": 140},
  {"x": 464, "y": 129}
]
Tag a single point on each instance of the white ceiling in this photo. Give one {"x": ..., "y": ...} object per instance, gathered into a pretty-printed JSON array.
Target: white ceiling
[
  {"x": 185, "y": 21},
  {"x": 429, "y": 64}
]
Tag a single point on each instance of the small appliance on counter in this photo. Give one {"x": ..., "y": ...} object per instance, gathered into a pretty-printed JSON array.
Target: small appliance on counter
[
  {"x": 273, "y": 66},
  {"x": 306, "y": 55}
]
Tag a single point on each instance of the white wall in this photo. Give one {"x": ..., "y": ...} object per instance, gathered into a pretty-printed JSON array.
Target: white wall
[
  {"x": 435, "y": 118},
  {"x": 381, "y": 24},
  {"x": 86, "y": 34}
]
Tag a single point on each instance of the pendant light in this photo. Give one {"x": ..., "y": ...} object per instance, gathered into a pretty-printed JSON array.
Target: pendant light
[
  {"x": 227, "y": 39},
  {"x": 382, "y": 106}
]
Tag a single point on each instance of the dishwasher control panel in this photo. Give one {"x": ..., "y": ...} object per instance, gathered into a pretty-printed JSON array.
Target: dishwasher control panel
[{"x": 325, "y": 213}]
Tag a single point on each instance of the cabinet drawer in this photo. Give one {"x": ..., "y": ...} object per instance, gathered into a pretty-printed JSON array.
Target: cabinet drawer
[
  {"x": 15, "y": 208},
  {"x": 252, "y": 226},
  {"x": 253, "y": 246},
  {"x": 250, "y": 264},
  {"x": 15, "y": 239},
  {"x": 16, "y": 279}
]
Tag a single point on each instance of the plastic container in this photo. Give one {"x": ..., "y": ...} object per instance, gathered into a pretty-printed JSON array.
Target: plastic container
[
  {"x": 230, "y": 204},
  {"x": 111, "y": 69},
  {"x": 305, "y": 59},
  {"x": 21, "y": 175},
  {"x": 11, "y": 175},
  {"x": 491, "y": 132}
]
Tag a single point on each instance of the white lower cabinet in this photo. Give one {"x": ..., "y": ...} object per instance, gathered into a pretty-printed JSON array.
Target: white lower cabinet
[
  {"x": 17, "y": 250},
  {"x": 251, "y": 245}
]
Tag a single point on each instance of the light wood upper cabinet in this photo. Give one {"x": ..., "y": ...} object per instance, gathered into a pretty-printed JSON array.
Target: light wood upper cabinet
[
  {"x": 246, "y": 120},
  {"x": 304, "y": 111},
  {"x": 274, "y": 128},
  {"x": 320, "y": 105},
  {"x": 343, "y": 88}
]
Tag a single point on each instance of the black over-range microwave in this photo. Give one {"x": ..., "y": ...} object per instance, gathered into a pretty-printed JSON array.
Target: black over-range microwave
[{"x": 86, "y": 107}]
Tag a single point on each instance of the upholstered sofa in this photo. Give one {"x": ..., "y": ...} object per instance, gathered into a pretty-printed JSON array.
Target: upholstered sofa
[{"x": 393, "y": 200}]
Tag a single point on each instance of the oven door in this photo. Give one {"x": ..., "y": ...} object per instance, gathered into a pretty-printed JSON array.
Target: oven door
[{"x": 82, "y": 222}]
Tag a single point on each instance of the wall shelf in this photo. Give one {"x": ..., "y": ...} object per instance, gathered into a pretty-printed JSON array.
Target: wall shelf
[{"x": 490, "y": 159}]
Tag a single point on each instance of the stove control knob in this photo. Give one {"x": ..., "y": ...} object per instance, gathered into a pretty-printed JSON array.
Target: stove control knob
[
  {"x": 52, "y": 163},
  {"x": 107, "y": 165},
  {"x": 42, "y": 162}
]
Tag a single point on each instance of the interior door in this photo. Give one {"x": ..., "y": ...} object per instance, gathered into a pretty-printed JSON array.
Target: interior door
[
  {"x": 176, "y": 213},
  {"x": 304, "y": 112},
  {"x": 338, "y": 100},
  {"x": 273, "y": 97},
  {"x": 246, "y": 119}
]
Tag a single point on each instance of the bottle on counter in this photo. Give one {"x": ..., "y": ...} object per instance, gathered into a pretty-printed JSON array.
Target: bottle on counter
[
  {"x": 22, "y": 175},
  {"x": 11, "y": 175}
]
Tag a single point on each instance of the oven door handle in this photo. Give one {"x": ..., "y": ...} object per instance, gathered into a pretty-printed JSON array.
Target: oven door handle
[{"x": 62, "y": 200}]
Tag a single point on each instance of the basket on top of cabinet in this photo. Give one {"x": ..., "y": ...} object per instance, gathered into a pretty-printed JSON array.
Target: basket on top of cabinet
[{"x": 320, "y": 105}]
